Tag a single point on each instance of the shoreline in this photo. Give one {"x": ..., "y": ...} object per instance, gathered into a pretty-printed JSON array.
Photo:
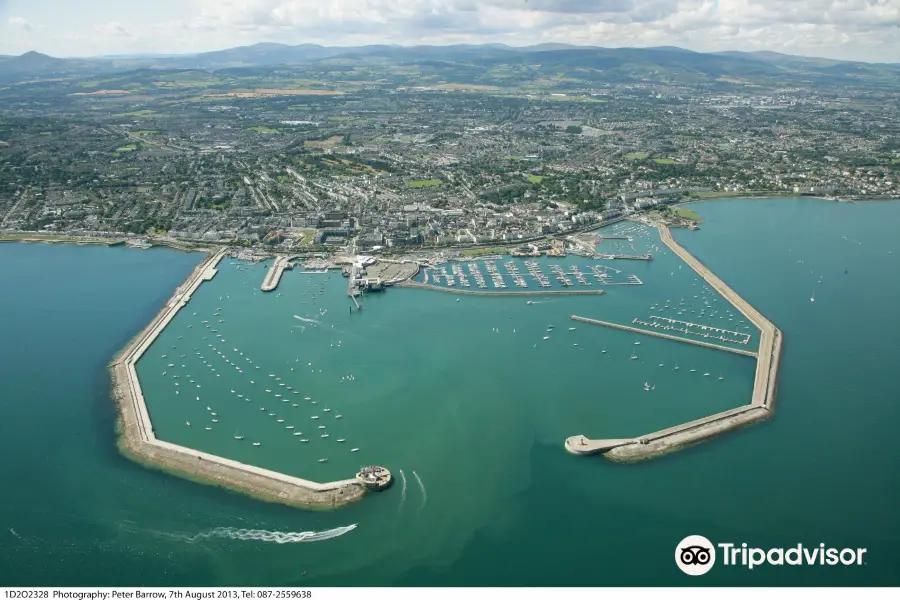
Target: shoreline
[
  {"x": 687, "y": 434},
  {"x": 137, "y": 441}
]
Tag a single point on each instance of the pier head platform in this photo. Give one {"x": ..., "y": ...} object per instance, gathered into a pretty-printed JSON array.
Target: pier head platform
[{"x": 374, "y": 478}]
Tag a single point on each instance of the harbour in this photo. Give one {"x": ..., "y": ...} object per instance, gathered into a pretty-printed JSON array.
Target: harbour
[
  {"x": 501, "y": 488},
  {"x": 674, "y": 438}
]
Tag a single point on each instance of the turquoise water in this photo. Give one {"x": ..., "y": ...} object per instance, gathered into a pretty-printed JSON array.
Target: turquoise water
[{"x": 479, "y": 416}]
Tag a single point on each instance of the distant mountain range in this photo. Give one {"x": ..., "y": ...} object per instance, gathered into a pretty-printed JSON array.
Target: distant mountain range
[{"x": 592, "y": 64}]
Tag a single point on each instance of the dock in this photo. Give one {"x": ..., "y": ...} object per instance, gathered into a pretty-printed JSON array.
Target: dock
[
  {"x": 138, "y": 441},
  {"x": 664, "y": 336},
  {"x": 273, "y": 277},
  {"x": 760, "y": 408},
  {"x": 453, "y": 290},
  {"x": 603, "y": 256}
]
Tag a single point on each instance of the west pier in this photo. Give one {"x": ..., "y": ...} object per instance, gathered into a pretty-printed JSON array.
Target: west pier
[
  {"x": 760, "y": 408},
  {"x": 138, "y": 441}
]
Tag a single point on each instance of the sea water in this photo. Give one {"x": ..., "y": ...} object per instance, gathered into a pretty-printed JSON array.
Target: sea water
[{"x": 468, "y": 405}]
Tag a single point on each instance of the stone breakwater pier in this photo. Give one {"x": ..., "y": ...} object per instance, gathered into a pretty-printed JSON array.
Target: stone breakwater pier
[
  {"x": 273, "y": 277},
  {"x": 761, "y": 406},
  {"x": 138, "y": 441}
]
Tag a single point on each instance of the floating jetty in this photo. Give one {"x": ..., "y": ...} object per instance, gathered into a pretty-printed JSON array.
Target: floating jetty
[
  {"x": 665, "y": 336},
  {"x": 668, "y": 440},
  {"x": 138, "y": 441},
  {"x": 545, "y": 292},
  {"x": 273, "y": 277}
]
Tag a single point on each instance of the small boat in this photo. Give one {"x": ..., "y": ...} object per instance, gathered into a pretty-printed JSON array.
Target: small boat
[
  {"x": 338, "y": 416},
  {"x": 323, "y": 460},
  {"x": 603, "y": 351},
  {"x": 209, "y": 428},
  {"x": 692, "y": 370},
  {"x": 676, "y": 367},
  {"x": 280, "y": 420},
  {"x": 324, "y": 435},
  {"x": 341, "y": 440},
  {"x": 354, "y": 450},
  {"x": 188, "y": 423},
  {"x": 238, "y": 437},
  {"x": 257, "y": 444},
  {"x": 721, "y": 378},
  {"x": 326, "y": 410},
  {"x": 321, "y": 426},
  {"x": 314, "y": 417},
  {"x": 298, "y": 433},
  {"x": 637, "y": 343},
  {"x": 546, "y": 337},
  {"x": 304, "y": 440},
  {"x": 215, "y": 420},
  {"x": 633, "y": 356}
]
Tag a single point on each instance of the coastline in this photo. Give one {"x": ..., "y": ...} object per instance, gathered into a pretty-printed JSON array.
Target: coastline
[
  {"x": 136, "y": 439},
  {"x": 669, "y": 440}
]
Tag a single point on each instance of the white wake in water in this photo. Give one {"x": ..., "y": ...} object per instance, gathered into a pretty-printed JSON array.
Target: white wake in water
[
  {"x": 277, "y": 537},
  {"x": 305, "y": 320},
  {"x": 402, "y": 490},
  {"x": 421, "y": 487}
]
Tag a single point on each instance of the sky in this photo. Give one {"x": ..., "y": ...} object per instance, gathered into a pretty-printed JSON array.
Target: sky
[{"x": 867, "y": 30}]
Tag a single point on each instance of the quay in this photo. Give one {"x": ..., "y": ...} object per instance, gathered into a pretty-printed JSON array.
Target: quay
[
  {"x": 273, "y": 277},
  {"x": 668, "y": 440},
  {"x": 137, "y": 440},
  {"x": 603, "y": 256},
  {"x": 663, "y": 335},
  {"x": 453, "y": 290}
]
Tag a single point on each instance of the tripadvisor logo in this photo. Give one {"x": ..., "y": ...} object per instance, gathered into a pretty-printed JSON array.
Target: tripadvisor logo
[{"x": 696, "y": 555}]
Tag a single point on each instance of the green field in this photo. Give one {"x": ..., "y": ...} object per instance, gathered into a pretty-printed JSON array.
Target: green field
[
  {"x": 424, "y": 183},
  {"x": 686, "y": 213},
  {"x": 137, "y": 113},
  {"x": 535, "y": 178},
  {"x": 895, "y": 161},
  {"x": 665, "y": 161},
  {"x": 636, "y": 155}
]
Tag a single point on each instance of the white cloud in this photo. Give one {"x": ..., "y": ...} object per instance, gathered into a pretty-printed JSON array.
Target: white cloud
[
  {"x": 112, "y": 29},
  {"x": 855, "y": 29},
  {"x": 20, "y": 23}
]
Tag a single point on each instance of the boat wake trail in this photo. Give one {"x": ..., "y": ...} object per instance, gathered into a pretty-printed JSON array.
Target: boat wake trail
[
  {"x": 402, "y": 490},
  {"x": 305, "y": 320},
  {"x": 421, "y": 487},
  {"x": 277, "y": 537}
]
